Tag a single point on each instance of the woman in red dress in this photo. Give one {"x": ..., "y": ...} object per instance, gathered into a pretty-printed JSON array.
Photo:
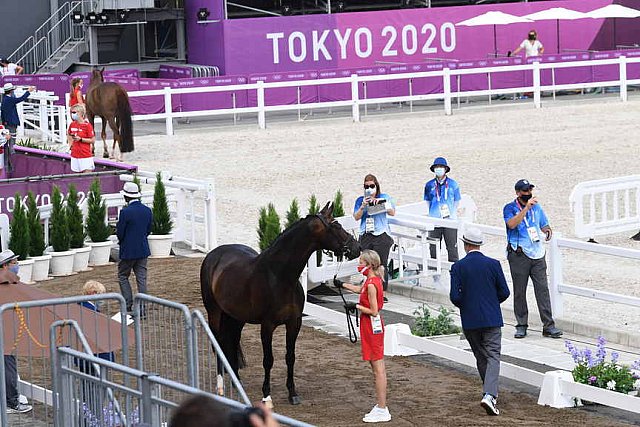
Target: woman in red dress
[
  {"x": 372, "y": 328},
  {"x": 76, "y": 92}
]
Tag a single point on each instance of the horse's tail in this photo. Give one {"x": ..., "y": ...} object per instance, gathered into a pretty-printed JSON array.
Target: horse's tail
[{"x": 124, "y": 123}]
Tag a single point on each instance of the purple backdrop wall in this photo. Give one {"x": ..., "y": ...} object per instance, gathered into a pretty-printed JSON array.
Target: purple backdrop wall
[{"x": 348, "y": 40}]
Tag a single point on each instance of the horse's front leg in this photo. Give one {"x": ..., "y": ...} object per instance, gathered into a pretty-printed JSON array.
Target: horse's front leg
[
  {"x": 103, "y": 134},
  {"x": 266, "y": 335},
  {"x": 293, "y": 328}
]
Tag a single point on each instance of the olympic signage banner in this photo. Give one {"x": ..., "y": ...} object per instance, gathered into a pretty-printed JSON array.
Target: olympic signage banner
[{"x": 349, "y": 40}]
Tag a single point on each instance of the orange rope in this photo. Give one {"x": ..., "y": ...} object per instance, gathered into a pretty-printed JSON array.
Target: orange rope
[{"x": 22, "y": 327}]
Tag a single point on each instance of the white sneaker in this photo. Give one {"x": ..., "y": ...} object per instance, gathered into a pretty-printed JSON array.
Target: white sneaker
[
  {"x": 488, "y": 402},
  {"x": 377, "y": 415},
  {"x": 19, "y": 409}
]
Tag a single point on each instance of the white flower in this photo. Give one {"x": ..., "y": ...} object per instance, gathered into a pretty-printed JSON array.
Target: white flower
[
  {"x": 611, "y": 385},
  {"x": 636, "y": 384}
]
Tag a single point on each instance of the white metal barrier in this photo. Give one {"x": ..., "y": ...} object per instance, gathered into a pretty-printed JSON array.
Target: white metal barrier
[
  {"x": 606, "y": 206},
  {"x": 192, "y": 205},
  {"x": 356, "y": 81},
  {"x": 38, "y": 112}
]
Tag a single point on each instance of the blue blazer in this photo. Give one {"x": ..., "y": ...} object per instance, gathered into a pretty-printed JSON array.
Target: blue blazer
[
  {"x": 478, "y": 286},
  {"x": 8, "y": 109},
  {"x": 134, "y": 225}
]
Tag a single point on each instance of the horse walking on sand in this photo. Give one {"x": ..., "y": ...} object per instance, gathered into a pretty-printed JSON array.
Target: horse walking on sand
[
  {"x": 241, "y": 286},
  {"x": 110, "y": 101}
]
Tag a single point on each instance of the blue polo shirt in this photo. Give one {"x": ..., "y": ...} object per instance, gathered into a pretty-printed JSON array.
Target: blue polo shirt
[
  {"x": 519, "y": 236},
  {"x": 380, "y": 222},
  {"x": 447, "y": 192}
]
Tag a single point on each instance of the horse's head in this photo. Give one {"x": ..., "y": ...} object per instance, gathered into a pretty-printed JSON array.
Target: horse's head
[
  {"x": 97, "y": 75},
  {"x": 332, "y": 236}
]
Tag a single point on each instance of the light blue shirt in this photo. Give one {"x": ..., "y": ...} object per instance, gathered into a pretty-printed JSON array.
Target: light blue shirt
[
  {"x": 438, "y": 194},
  {"x": 380, "y": 221},
  {"x": 519, "y": 236}
]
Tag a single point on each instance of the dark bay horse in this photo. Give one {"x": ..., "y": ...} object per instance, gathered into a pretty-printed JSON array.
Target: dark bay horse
[
  {"x": 111, "y": 102},
  {"x": 241, "y": 286}
]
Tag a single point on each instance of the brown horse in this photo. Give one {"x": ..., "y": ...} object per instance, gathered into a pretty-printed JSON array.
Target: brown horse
[
  {"x": 111, "y": 102},
  {"x": 241, "y": 286}
]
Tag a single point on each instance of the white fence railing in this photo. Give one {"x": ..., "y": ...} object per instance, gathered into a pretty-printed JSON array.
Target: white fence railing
[
  {"x": 606, "y": 206},
  {"x": 356, "y": 81},
  {"x": 192, "y": 205},
  {"x": 413, "y": 220},
  {"x": 38, "y": 112}
]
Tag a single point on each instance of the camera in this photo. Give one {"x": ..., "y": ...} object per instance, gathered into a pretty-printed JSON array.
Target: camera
[{"x": 241, "y": 418}]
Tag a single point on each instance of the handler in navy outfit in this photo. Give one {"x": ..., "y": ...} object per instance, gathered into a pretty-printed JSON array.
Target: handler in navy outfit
[
  {"x": 478, "y": 287},
  {"x": 526, "y": 224},
  {"x": 134, "y": 225}
]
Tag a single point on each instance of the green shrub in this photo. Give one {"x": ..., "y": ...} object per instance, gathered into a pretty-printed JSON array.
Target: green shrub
[
  {"x": 338, "y": 206},
  {"x": 19, "y": 242},
  {"x": 293, "y": 214},
  {"x": 268, "y": 226},
  {"x": 162, "y": 223},
  {"x": 313, "y": 205},
  {"x": 59, "y": 234},
  {"x": 97, "y": 228},
  {"x": 36, "y": 229},
  {"x": 426, "y": 326},
  {"x": 262, "y": 229},
  {"x": 74, "y": 219}
]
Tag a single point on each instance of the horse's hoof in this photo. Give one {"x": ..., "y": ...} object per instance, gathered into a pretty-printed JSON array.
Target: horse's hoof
[
  {"x": 268, "y": 402},
  {"x": 295, "y": 400}
]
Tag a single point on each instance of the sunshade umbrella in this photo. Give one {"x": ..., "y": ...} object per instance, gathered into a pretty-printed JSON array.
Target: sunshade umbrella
[
  {"x": 556, "y": 13},
  {"x": 614, "y": 11},
  {"x": 493, "y": 18},
  {"x": 27, "y": 330}
]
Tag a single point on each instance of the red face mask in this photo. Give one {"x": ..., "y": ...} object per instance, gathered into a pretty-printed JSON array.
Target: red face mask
[{"x": 364, "y": 269}]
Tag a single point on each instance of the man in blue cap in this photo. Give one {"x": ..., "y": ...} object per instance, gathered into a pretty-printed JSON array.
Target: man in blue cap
[
  {"x": 442, "y": 195},
  {"x": 527, "y": 225}
]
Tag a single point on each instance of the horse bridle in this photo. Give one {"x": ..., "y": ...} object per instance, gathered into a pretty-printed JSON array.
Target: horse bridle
[{"x": 345, "y": 249}]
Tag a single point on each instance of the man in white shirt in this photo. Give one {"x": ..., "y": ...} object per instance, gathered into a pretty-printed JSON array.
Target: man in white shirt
[
  {"x": 531, "y": 46},
  {"x": 9, "y": 68}
]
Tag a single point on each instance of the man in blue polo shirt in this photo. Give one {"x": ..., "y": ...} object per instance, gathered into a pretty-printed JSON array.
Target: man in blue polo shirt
[
  {"x": 442, "y": 195},
  {"x": 527, "y": 225}
]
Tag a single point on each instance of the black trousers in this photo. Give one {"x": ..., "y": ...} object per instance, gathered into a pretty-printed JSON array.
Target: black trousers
[
  {"x": 381, "y": 244},
  {"x": 450, "y": 239}
]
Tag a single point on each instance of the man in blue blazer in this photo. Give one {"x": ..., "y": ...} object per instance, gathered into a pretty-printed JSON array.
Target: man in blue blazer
[
  {"x": 478, "y": 286},
  {"x": 134, "y": 225}
]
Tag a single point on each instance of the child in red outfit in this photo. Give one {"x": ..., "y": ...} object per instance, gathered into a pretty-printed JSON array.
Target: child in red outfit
[{"x": 372, "y": 328}]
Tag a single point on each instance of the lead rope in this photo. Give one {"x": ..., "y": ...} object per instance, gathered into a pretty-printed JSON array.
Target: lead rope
[{"x": 353, "y": 336}]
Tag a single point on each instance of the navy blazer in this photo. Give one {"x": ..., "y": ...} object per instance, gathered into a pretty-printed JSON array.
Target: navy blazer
[
  {"x": 478, "y": 286},
  {"x": 134, "y": 225},
  {"x": 8, "y": 110}
]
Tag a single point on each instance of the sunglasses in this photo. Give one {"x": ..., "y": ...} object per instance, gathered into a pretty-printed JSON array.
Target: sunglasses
[{"x": 369, "y": 186}]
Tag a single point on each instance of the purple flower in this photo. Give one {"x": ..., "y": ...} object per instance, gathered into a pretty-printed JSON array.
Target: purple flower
[
  {"x": 588, "y": 357},
  {"x": 575, "y": 354},
  {"x": 614, "y": 357},
  {"x": 636, "y": 365},
  {"x": 592, "y": 379},
  {"x": 602, "y": 351}
]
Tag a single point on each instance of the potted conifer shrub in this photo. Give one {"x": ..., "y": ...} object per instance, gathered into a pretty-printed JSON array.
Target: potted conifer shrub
[
  {"x": 19, "y": 240},
  {"x": 160, "y": 239},
  {"x": 97, "y": 228},
  {"x": 76, "y": 231},
  {"x": 37, "y": 246},
  {"x": 61, "y": 256}
]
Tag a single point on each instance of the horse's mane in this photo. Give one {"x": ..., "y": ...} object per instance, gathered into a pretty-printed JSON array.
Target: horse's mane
[{"x": 287, "y": 232}]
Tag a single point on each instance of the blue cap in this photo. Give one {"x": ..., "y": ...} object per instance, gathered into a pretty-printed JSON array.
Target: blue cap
[
  {"x": 440, "y": 161},
  {"x": 523, "y": 185}
]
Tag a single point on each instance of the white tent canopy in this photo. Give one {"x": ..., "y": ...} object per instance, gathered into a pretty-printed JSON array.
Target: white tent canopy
[
  {"x": 614, "y": 11},
  {"x": 556, "y": 13},
  {"x": 493, "y": 18}
]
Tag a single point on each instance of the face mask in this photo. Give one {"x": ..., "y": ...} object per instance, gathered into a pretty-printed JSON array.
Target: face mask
[
  {"x": 532, "y": 36},
  {"x": 525, "y": 197},
  {"x": 370, "y": 191},
  {"x": 364, "y": 269},
  {"x": 14, "y": 268},
  {"x": 74, "y": 116},
  {"x": 439, "y": 172}
]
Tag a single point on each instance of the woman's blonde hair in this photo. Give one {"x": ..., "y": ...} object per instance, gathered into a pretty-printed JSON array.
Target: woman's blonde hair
[
  {"x": 372, "y": 259},
  {"x": 93, "y": 287},
  {"x": 79, "y": 108}
]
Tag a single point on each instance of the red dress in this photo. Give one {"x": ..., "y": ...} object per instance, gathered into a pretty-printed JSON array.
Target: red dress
[{"x": 372, "y": 344}]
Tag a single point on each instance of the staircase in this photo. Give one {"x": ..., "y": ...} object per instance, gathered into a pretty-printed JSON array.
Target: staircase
[{"x": 56, "y": 44}]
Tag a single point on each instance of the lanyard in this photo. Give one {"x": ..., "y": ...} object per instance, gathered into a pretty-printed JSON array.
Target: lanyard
[
  {"x": 533, "y": 215},
  {"x": 438, "y": 189}
]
